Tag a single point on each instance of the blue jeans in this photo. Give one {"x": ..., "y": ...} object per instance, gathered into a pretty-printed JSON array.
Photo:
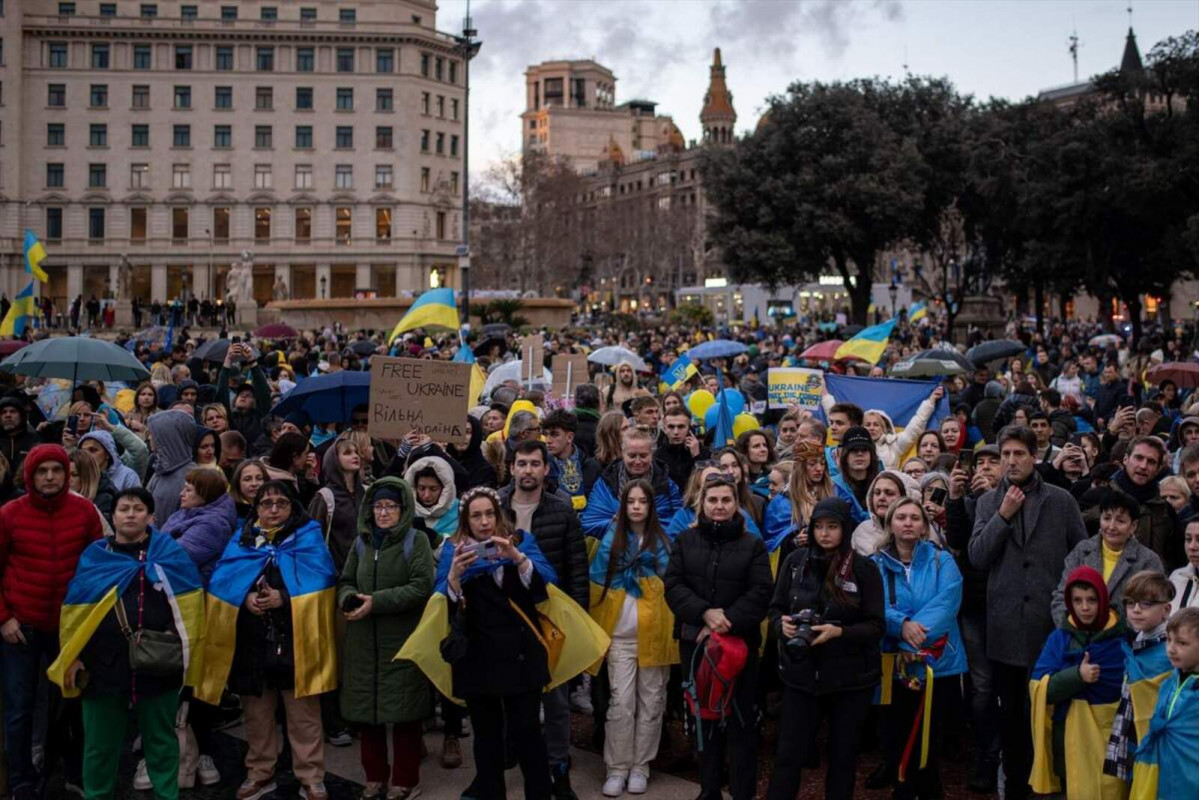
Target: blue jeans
[{"x": 24, "y": 667}]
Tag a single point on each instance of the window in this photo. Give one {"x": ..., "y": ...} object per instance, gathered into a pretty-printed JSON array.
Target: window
[
  {"x": 453, "y": 72},
  {"x": 454, "y": 110},
  {"x": 54, "y": 176},
  {"x": 183, "y": 97},
  {"x": 222, "y": 176},
  {"x": 424, "y": 141},
  {"x": 384, "y": 100},
  {"x": 262, "y": 137},
  {"x": 97, "y": 135},
  {"x": 269, "y": 13},
  {"x": 97, "y": 176},
  {"x": 99, "y": 95},
  {"x": 99, "y": 56},
  {"x": 454, "y": 182},
  {"x": 137, "y": 224},
  {"x": 454, "y": 145},
  {"x": 345, "y": 223},
  {"x": 183, "y": 57},
  {"x": 66, "y": 9},
  {"x": 149, "y": 10},
  {"x": 189, "y": 12},
  {"x": 438, "y": 68},
  {"x": 304, "y": 137},
  {"x": 224, "y": 58},
  {"x": 424, "y": 103},
  {"x": 345, "y": 59},
  {"x": 383, "y": 138},
  {"x": 262, "y": 224},
  {"x": 424, "y": 179},
  {"x": 56, "y": 95},
  {"x": 265, "y": 59},
  {"x": 345, "y": 137},
  {"x": 304, "y": 98},
  {"x": 303, "y": 176},
  {"x": 95, "y": 223},
  {"x": 56, "y": 134},
  {"x": 308, "y": 14},
  {"x": 553, "y": 91},
  {"x": 220, "y": 222},
  {"x": 343, "y": 176},
  {"x": 385, "y": 59},
  {"x": 141, "y": 96},
  {"x": 228, "y": 13},
  {"x": 53, "y": 223},
  {"x": 384, "y": 176},
  {"x": 139, "y": 176},
  {"x": 425, "y": 58},
  {"x": 440, "y": 143},
  {"x": 182, "y": 136},
  {"x": 347, "y": 15},
  {"x": 303, "y": 224},
  {"x": 440, "y": 106},
  {"x": 383, "y": 224},
  {"x": 223, "y": 97},
  {"x": 305, "y": 59},
  {"x": 440, "y": 225},
  {"x": 141, "y": 56},
  {"x": 140, "y": 136},
  {"x": 345, "y": 99},
  {"x": 264, "y": 98},
  {"x": 222, "y": 136},
  {"x": 108, "y": 9},
  {"x": 181, "y": 176},
  {"x": 262, "y": 176},
  {"x": 179, "y": 220},
  {"x": 58, "y": 55}
]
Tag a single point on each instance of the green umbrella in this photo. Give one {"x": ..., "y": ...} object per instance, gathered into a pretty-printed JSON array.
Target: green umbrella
[{"x": 76, "y": 358}]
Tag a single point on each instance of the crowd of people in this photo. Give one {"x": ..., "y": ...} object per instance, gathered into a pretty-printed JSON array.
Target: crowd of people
[{"x": 1018, "y": 560}]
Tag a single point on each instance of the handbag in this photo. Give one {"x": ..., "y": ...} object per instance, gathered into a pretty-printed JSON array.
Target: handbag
[
  {"x": 151, "y": 652},
  {"x": 552, "y": 638}
]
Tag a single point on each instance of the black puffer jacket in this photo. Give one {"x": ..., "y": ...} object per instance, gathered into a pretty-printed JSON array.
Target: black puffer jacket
[
  {"x": 677, "y": 461},
  {"x": 560, "y": 537},
  {"x": 719, "y": 566},
  {"x": 478, "y": 469}
]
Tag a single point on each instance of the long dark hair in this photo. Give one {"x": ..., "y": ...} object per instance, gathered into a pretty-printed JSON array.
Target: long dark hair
[
  {"x": 742, "y": 489},
  {"x": 862, "y": 488},
  {"x": 742, "y": 446},
  {"x": 654, "y": 535}
]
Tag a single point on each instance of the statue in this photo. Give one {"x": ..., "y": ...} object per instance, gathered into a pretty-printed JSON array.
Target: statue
[
  {"x": 124, "y": 278},
  {"x": 240, "y": 282}
]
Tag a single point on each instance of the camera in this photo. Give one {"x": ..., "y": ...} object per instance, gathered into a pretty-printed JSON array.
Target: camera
[{"x": 798, "y": 644}]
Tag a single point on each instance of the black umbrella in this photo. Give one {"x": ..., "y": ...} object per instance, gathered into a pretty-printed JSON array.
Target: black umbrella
[
  {"x": 215, "y": 350},
  {"x": 364, "y": 347},
  {"x": 922, "y": 367},
  {"x": 946, "y": 355},
  {"x": 496, "y": 329},
  {"x": 850, "y": 330},
  {"x": 483, "y": 348},
  {"x": 994, "y": 350}
]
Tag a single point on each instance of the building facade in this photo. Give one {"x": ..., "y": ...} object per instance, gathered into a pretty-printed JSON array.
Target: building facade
[{"x": 322, "y": 140}]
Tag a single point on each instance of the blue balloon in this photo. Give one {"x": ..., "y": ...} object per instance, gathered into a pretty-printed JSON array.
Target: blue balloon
[
  {"x": 711, "y": 417},
  {"x": 733, "y": 400}
]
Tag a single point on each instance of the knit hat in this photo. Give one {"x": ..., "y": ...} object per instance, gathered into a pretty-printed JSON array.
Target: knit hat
[
  {"x": 387, "y": 493},
  {"x": 857, "y": 438},
  {"x": 831, "y": 508}
]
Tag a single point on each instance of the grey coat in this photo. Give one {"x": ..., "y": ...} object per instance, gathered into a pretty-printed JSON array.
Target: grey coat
[
  {"x": 1089, "y": 553},
  {"x": 1025, "y": 561}
]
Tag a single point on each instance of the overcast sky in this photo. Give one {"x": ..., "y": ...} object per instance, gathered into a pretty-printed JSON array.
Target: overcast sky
[{"x": 661, "y": 49}]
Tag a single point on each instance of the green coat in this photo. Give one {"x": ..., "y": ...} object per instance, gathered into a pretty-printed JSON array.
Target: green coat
[{"x": 374, "y": 688}]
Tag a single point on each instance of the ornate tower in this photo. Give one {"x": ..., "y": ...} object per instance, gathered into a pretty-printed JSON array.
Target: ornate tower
[{"x": 718, "y": 116}]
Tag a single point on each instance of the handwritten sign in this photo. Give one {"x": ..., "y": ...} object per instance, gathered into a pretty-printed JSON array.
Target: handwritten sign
[
  {"x": 532, "y": 358},
  {"x": 430, "y": 397},
  {"x": 569, "y": 371},
  {"x": 787, "y": 385}
]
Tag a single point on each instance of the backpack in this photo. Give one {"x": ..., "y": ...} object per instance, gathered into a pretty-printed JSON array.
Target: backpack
[
  {"x": 709, "y": 687},
  {"x": 326, "y": 495}
]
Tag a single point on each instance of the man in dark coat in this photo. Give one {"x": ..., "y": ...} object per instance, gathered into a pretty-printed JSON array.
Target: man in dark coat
[
  {"x": 16, "y": 437},
  {"x": 587, "y": 401},
  {"x": 678, "y": 448}
]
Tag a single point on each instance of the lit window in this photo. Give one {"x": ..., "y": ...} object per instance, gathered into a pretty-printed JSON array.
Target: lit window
[
  {"x": 262, "y": 224},
  {"x": 220, "y": 222},
  {"x": 345, "y": 223},
  {"x": 383, "y": 224},
  {"x": 303, "y": 224}
]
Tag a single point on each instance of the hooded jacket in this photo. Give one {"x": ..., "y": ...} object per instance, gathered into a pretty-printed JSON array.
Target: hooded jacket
[
  {"x": 442, "y": 516},
  {"x": 479, "y": 471},
  {"x": 122, "y": 477},
  {"x": 41, "y": 539},
  {"x": 204, "y": 532},
  {"x": 16, "y": 445},
  {"x": 927, "y": 591},
  {"x": 345, "y": 508},
  {"x": 174, "y": 434},
  {"x": 891, "y": 445},
  {"x": 870, "y": 534}
]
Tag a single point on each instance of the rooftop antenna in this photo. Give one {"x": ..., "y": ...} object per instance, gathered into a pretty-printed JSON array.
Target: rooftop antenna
[
  {"x": 906, "y": 69},
  {"x": 1074, "y": 52},
  {"x": 1129, "y": 10}
]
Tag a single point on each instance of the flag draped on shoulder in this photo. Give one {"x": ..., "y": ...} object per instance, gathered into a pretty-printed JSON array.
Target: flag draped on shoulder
[
  {"x": 35, "y": 254},
  {"x": 103, "y": 575},
  {"x": 435, "y": 308},
  {"x": 868, "y": 345},
  {"x": 22, "y": 310}
]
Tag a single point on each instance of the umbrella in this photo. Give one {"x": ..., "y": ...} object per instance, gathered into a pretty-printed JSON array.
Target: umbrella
[
  {"x": 1105, "y": 339},
  {"x": 720, "y": 348},
  {"x": 483, "y": 348},
  {"x": 10, "y": 346},
  {"x": 512, "y": 371},
  {"x": 944, "y": 355},
  {"x": 822, "y": 351},
  {"x": 496, "y": 329},
  {"x": 276, "y": 330},
  {"x": 921, "y": 367},
  {"x": 1185, "y": 374},
  {"x": 327, "y": 398},
  {"x": 364, "y": 347},
  {"x": 215, "y": 350},
  {"x": 987, "y": 352},
  {"x": 76, "y": 358},
  {"x": 611, "y": 356},
  {"x": 849, "y": 331}
]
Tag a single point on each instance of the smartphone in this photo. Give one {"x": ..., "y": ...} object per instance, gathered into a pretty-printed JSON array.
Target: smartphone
[
  {"x": 938, "y": 496},
  {"x": 236, "y": 340},
  {"x": 73, "y": 425},
  {"x": 966, "y": 460},
  {"x": 485, "y": 551},
  {"x": 351, "y": 603}
]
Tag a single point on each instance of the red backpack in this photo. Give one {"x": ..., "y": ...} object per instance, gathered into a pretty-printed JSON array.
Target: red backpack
[{"x": 709, "y": 688}]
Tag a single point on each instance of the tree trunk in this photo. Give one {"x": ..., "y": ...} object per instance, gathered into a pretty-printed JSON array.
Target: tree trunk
[
  {"x": 1038, "y": 293},
  {"x": 1062, "y": 300},
  {"x": 1134, "y": 315}
]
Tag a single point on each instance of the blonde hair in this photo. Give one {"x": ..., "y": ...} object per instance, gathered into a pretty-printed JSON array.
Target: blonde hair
[
  {"x": 608, "y": 437},
  {"x": 1175, "y": 482},
  {"x": 904, "y": 500},
  {"x": 88, "y": 472},
  {"x": 803, "y": 496}
]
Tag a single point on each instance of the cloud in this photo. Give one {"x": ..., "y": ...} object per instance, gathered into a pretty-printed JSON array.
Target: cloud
[{"x": 774, "y": 26}]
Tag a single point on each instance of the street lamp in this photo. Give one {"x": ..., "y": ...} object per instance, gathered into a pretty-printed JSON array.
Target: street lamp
[
  {"x": 893, "y": 290},
  {"x": 324, "y": 283},
  {"x": 468, "y": 48}
]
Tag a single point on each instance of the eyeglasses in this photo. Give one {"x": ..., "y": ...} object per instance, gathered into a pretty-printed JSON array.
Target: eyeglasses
[
  {"x": 707, "y": 463},
  {"x": 386, "y": 508},
  {"x": 1143, "y": 605},
  {"x": 723, "y": 477},
  {"x": 281, "y": 502}
]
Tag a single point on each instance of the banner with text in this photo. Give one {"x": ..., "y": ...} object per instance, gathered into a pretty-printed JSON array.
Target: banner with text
[
  {"x": 430, "y": 397},
  {"x": 787, "y": 385}
]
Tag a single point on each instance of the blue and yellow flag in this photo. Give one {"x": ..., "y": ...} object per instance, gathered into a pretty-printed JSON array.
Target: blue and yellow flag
[
  {"x": 917, "y": 312},
  {"x": 1167, "y": 761},
  {"x": 639, "y": 575},
  {"x": 23, "y": 309},
  {"x": 310, "y": 577},
  {"x": 898, "y": 397},
  {"x": 477, "y": 379},
  {"x": 679, "y": 372},
  {"x": 868, "y": 345},
  {"x": 102, "y": 576},
  {"x": 35, "y": 254},
  {"x": 435, "y": 308}
]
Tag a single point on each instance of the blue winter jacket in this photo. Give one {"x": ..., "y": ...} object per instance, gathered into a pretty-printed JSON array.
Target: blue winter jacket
[
  {"x": 204, "y": 532},
  {"x": 929, "y": 591},
  {"x": 604, "y": 501}
]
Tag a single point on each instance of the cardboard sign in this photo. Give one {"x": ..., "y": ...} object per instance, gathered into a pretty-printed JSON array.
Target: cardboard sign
[
  {"x": 430, "y": 397},
  {"x": 569, "y": 371},
  {"x": 532, "y": 358},
  {"x": 787, "y": 385}
]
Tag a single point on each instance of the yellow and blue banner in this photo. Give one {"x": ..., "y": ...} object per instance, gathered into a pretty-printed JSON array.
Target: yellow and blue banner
[
  {"x": 679, "y": 372},
  {"x": 477, "y": 379},
  {"x": 310, "y": 578},
  {"x": 917, "y": 312},
  {"x": 899, "y": 398},
  {"x": 869, "y": 345},
  {"x": 35, "y": 254},
  {"x": 102, "y": 576},
  {"x": 1167, "y": 760},
  {"x": 22, "y": 310},
  {"x": 435, "y": 308}
]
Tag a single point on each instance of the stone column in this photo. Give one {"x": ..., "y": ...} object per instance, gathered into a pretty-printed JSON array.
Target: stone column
[
  {"x": 158, "y": 282},
  {"x": 202, "y": 281},
  {"x": 324, "y": 277},
  {"x": 74, "y": 281}
]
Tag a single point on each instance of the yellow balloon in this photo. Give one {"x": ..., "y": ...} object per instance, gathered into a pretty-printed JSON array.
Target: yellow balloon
[
  {"x": 743, "y": 423},
  {"x": 699, "y": 402},
  {"x": 123, "y": 402}
]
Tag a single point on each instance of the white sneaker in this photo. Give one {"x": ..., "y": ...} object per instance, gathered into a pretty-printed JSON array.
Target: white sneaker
[
  {"x": 207, "y": 772},
  {"x": 638, "y": 782},
  {"x": 141, "y": 778},
  {"x": 614, "y": 786}
]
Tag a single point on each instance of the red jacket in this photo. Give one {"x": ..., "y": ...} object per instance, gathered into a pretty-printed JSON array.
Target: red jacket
[{"x": 41, "y": 539}]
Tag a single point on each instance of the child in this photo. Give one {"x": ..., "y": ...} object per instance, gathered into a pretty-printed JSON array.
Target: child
[
  {"x": 1074, "y": 690},
  {"x": 1147, "y": 597},
  {"x": 1167, "y": 764}
]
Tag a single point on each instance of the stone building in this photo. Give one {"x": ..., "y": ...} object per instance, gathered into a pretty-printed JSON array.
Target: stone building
[{"x": 325, "y": 138}]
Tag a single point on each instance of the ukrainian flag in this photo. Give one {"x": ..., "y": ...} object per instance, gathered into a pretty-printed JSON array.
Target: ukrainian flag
[
  {"x": 679, "y": 372},
  {"x": 917, "y": 312},
  {"x": 102, "y": 576},
  {"x": 868, "y": 345},
  {"x": 433, "y": 309},
  {"x": 24, "y": 306},
  {"x": 1167, "y": 761},
  {"x": 310, "y": 578},
  {"x": 477, "y": 379},
  {"x": 35, "y": 254}
]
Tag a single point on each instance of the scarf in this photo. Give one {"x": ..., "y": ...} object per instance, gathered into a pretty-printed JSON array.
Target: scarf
[
  {"x": 1142, "y": 494},
  {"x": 568, "y": 472}
]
